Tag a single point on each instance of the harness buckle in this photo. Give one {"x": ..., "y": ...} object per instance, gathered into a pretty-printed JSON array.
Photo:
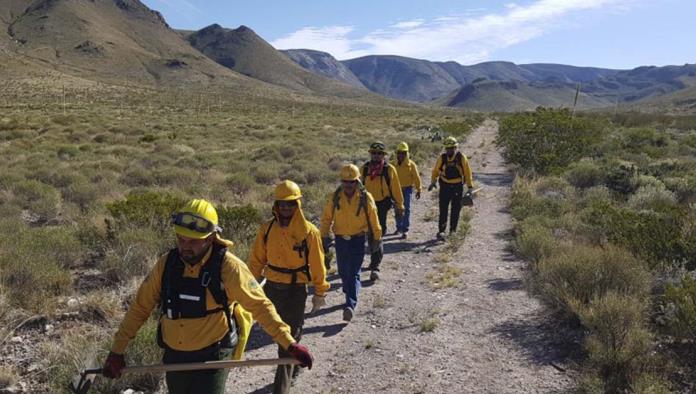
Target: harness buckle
[{"x": 205, "y": 279}]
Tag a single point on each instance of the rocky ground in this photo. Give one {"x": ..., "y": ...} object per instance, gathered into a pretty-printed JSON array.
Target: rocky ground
[{"x": 413, "y": 333}]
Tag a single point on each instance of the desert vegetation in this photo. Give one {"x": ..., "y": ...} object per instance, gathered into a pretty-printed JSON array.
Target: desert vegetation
[
  {"x": 89, "y": 177},
  {"x": 605, "y": 216}
]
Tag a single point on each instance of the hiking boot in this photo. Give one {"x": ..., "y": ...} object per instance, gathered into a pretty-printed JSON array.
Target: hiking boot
[
  {"x": 404, "y": 235},
  {"x": 441, "y": 236},
  {"x": 348, "y": 314},
  {"x": 374, "y": 275},
  {"x": 396, "y": 232}
]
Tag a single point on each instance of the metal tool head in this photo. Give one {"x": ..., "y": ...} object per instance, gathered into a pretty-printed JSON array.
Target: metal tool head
[{"x": 82, "y": 383}]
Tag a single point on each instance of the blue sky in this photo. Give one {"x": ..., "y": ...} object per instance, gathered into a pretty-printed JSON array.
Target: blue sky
[{"x": 603, "y": 33}]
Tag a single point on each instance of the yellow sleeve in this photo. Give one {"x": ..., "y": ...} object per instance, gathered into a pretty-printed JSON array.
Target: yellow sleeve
[
  {"x": 468, "y": 176},
  {"x": 316, "y": 263},
  {"x": 242, "y": 287},
  {"x": 416, "y": 177},
  {"x": 146, "y": 299},
  {"x": 257, "y": 256},
  {"x": 327, "y": 217},
  {"x": 372, "y": 215},
  {"x": 396, "y": 192},
  {"x": 436, "y": 170}
]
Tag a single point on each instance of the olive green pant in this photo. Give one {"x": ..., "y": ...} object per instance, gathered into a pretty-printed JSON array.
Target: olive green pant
[
  {"x": 209, "y": 381},
  {"x": 289, "y": 301}
]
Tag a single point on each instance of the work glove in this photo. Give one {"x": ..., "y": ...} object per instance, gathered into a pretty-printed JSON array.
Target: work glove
[
  {"x": 418, "y": 194},
  {"x": 470, "y": 192},
  {"x": 301, "y": 354},
  {"x": 317, "y": 303},
  {"x": 113, "y": 365},
  {"x": 432, "y": 186},
  {"x": 326, "y": 243}
]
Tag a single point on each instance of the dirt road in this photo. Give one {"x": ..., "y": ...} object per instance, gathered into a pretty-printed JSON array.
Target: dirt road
[{"x": 485, "y": 335}]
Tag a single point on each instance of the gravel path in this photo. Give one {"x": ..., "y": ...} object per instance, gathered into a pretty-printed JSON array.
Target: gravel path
[{"x": 483, "y": 335}]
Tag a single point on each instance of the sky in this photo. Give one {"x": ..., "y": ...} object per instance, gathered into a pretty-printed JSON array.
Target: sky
[{"x": 620, "y": 34}]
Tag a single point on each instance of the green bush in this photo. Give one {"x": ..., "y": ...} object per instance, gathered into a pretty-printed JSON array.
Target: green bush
[
  {"x": 548, "y": 197},
  {"x": 39, "y": 198},
  {"x": 535, "y": 240},
  {"x": 132, "y": 251},
  {"x": 578, "y": 274},
  {"x": 148, "y": 209},
  {"x": 584, "y": 174},
  {"x": 618, "y": 344},
  {"x": 652, "y": 197},
  {"x": 680, "y": 303},
  {"x": 547, "y": 140},
  {"x": 621, "y": 176},
  {"x": 240, "y": 225}
]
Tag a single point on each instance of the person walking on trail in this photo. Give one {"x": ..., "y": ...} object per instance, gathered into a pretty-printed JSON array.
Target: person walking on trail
[
  {"x": 289, "y": 253},
  {"x": 351, "y": 214},
  {"x": 451, "y": 172},
  {"x": 410, "y": 180},
  {"x": 198, "y": 285},
  {"x": 382, "y": 182}
]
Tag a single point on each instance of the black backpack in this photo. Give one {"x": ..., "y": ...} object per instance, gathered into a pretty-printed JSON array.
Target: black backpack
[
  {"x": 450, "y": 171},
  {"x": 176, "y": 305}
]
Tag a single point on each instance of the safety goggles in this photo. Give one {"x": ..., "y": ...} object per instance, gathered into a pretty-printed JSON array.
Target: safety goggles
[
  {"x": 351, "y": 182},
  {"x": 193, "y": 222}
]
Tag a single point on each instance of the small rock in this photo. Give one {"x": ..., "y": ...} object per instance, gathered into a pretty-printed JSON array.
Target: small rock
[
  {"x": 48, "y": 327},
  {"x": 33, "y": 367},
  {"x": 73, "y": 302},
  {"x": 16, "y": 339}
]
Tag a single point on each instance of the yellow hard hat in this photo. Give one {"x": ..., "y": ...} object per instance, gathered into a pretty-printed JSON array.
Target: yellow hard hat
[
  {"x": 450, "y": 142},
  {"x": 287, "y": 191},
  {"x": 350, "y": 172},
  {"x": 197, "y": 219},
  {"x": 402, "y": 147}
]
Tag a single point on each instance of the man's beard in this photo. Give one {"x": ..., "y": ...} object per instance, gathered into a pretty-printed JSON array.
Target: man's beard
[{"x": 193, "y": 260}]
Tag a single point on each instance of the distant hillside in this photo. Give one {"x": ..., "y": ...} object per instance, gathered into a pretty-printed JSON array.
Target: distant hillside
[
  {"x": 518, "y": 96},
  {"x": 245, "y": 52},
  {"x": 119, "y": 40},
  {"x": 402, "y": 78},
  {"x": 324, "y": 64}
]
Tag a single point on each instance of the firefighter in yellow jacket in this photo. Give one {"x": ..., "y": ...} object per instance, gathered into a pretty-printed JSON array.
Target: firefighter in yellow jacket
[
  {"x": 451, "y": 171},
  {"x": 197, "y": 285},
  {"x": 382, "y": 182},
  {"x": 350, "y": 213},
  {"x": 289, "y": 253},
  {"x": 410, "y": 180}
]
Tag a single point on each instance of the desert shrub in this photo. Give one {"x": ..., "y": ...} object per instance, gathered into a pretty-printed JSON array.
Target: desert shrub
[
  {"x": 82, "y": 193},
  {"x": 618, "y": 344},
  {"x": 547, "y": 140},
  {"x": 684, "y": 188},
  {"x": 240, "y": 224},
  {"x": 132, "y": 252},
  {"x": 680, "y": 303},
  {"x": 457, "y": 129},
  {"x": 574, "y": 276},
  {"x": 148, "y": 209},
  {"x": 34, "y": 263},
  {"x": 638, "y": 139},
  {"x": 265, "y": 174},
  {"x": 548, "y": 197},
  {"x": 40, "y": 198},
  {"x": 534, "y": 239},
  {"x": 652, "y": 197},
  {"x": 240, "y": 182},
  {"x": 621, "y": 176},
  {"x": 584, "y": 174}
]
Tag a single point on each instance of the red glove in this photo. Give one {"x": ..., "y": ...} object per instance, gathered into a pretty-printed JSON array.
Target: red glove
[
  {"x": 113, "y": 365},
  {"x": 301, "y": 354}
]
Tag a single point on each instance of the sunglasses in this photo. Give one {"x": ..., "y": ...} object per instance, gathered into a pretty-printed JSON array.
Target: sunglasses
[
  {"x": 192, "y": 222},
  {"x": 351, "y": 182},
  {"x": 287, "y": 204}
]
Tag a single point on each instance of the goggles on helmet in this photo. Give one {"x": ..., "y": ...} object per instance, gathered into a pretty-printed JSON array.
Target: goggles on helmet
[{"x": 193, "y": 222}]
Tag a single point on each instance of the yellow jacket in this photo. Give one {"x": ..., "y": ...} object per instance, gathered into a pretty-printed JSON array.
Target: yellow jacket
[
  {"x": 344, "y": 221},
  {"x": 408, "y": 173},
  {"x": 464, "y": 171},
  {"x": 379, "y": 189},
  {"x": 278, "y": 251},
  {"x": 197, "y": 333}
]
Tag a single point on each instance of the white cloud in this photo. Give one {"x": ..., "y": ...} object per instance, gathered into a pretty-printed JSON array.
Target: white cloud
[
  {"x": 466, "y": 38},
  {"x": 408, "y": 24}
]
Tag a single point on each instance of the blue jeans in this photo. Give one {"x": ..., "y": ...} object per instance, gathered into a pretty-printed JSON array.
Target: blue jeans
[
  {"x": 349, "y": 258},
  {"x": 403, "y": 223}
]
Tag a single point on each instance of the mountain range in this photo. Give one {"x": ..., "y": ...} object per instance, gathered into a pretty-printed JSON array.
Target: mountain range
[{"x": 125, "y": 42}]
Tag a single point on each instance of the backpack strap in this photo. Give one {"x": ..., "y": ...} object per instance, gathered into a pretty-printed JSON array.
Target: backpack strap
[
  {"x": 171, "y": 276},
  {"x": 303, "y": 251},
  {"x": 211, "y": 277},
  {"x": 268, "y": 230}
]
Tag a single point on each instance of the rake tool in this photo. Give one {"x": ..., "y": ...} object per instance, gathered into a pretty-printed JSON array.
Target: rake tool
[{"x": 82, "y": 383}]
